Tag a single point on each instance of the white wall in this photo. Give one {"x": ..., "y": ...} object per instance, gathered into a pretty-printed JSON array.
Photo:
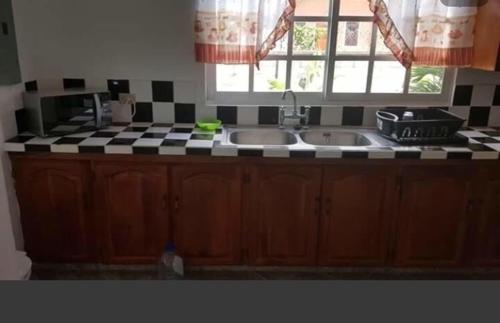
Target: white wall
[{"x": 10, "y": 100}]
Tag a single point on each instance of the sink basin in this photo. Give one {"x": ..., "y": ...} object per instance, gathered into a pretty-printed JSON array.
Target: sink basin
[
  {"x": 262, "y": 137},
  {"x": 334, "y": 138}
]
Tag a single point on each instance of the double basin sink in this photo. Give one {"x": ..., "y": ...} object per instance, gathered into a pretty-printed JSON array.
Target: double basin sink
[{"x": 314, "y": 137}]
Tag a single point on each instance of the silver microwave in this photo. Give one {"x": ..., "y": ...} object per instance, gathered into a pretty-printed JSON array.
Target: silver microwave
[{"x": 64, "y": 112}]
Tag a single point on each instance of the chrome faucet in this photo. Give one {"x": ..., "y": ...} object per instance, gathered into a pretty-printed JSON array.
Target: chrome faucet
[{"x": 296, "y": 115}]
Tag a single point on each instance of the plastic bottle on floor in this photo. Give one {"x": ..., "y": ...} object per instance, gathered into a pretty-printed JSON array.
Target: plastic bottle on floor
[{"x": 170, "y": 266}]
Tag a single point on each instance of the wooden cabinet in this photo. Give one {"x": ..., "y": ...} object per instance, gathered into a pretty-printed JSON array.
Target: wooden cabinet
[
  {"x": 433, "y": 211},
  {"x": 207, "y": 213},
  {"x": 283, "y": 216},
  {"x": 487, "y": 218},
  {"x": 55, "y": 209},
  {"x": 357, "y": 213},
  {"x": 133, "y": 213}
]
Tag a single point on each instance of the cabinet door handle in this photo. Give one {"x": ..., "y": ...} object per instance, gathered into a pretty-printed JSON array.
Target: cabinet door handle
[{"x": 176, "y": 203}]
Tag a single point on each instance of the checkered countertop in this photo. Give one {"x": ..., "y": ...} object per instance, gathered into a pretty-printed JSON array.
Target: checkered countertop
[{"x": 185, "y": 139}]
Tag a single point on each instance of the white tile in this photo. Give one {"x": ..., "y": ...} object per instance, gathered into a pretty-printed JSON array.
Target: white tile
[
  {"x": 494, "y": 120},
  {"x": 95, "y": 142},
  {"x": 473, "y": 134},
  {"x": 142, "y": 89},
  {"x": 171, "y": 150},
  {"x": 184, "y": 92},
  {"x": 248, "y": 115},
  {"x": 113, "y": 129},
  {"x": 199, "y": 144},
  {"x": 129, "y": 135},
  {"x": 276, "y": 152},
  {"x": 96, "y": 83},
  {"x": 146, "y": 142},
  {"x": 205, "y": 112},
  {"x": 184, "y": 125},
  {"x": 140, "y": 124},
  {"x": 225, "y": 151},
  {"x": 117, "y": 149},
  {"x": 370, "y": 117},
  {"x": 329, "y": 153},
  {"x": 47, "y": 84},
  {"x": 457, "y": 149},
  {"x": 482, "y": 95},
  {"x": 381, "y": 154},
  {"x": 64, "y": 148},
  {"x": 163, "y": 112},
  {"x": 433, "y": 154},
  {"x": 159, "y": 130},
  {"x": 42, "y": 141},
  {"x": 178, "y": 136},
  {"x": 462, "y": 112},
  {"x": 331, "y": 116},
  {"x": 14, "y": 147},
  {"x": 485, "y": 155},
  {"x": 494, "y": 146}
]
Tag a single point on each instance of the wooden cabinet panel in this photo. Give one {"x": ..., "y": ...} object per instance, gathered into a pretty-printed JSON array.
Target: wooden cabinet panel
[
  {"x": 487, "y": 216},
  {"x": 207, "y": 213},
  {"x": 283, "y": 215},
  {"x": 358, "y": 207},
  {"x": 433, "y": 215},
  {"x": 55, "y": 210},
  {"x": 133, "y": 203}
]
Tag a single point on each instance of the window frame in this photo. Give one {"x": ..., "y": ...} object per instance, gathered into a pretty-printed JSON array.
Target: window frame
[{"x": 327, "y": 97}]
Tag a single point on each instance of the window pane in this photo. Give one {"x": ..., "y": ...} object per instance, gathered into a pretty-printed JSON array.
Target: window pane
[
  {"x": 426, "y": 80},
  {"x": 270, "y": 77},
  {"x": 232, "y": 78},
  {"x": 354, "y": 38},
  {"x": 381, "y": 48},
  {"x": 350, "y": 77},
  {"x": 307, "y": 76},
  {"x": 318, "y": 8},
  {"x": 355, "y": 8},
  {"x": 310, "y": 38},
  {"x": 281, "y": 47},
  {"x": 388, "y": 77}
]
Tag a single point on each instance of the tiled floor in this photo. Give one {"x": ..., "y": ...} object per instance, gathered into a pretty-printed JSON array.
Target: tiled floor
[{"x": 99, "y": 272}]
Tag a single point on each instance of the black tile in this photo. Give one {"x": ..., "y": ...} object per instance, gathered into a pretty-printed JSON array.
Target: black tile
[
  {"x": 74, "y": 83},
  {"x": 355, "y": 154},
  {"x": 174, "y": 143},
  {"x": 185, "y": 113},
  {"x": 116, "y": 87},
  {"x": 91, "y": 149},
  {"x": 496, "y": 98},
  {"x": 486, "y": 140},
  {"x": 121, "y": 142},
  {"x": 197, "y": 136},
  {"x": 136, "y": 129},
  {"x": 145, "y": 150},
  {"x": 250, "y": 152},
  {"x": 442, "y": 108},
  {"x": 492, "y": 133},
  {"x": 144, "y": 112},
  {"x": 21, "y": 120},
  {"x": 31, "y": 86},
  {"x": 20, "y": 139},
  {"x": 37, "y": 148},
  {"x": 154, "y": 135},
  {"x": 69, "y": 141},
  {"x": 479, "y": 147},
  {"x": 302, "y": 153},
  {"x": 227, "y": 114},
  {"x": 181, "y": 130},
  {"x": 408, "y": 154},
  {"x": 104, "y": 134},
  {"x": 459, "y": 155},
  {"x": 268, "y": 115},
  {"x": 463, "y": 95},
  {"x": 314, "y": 116},
  {"x": 479, "y": 116},
  {"x": 163, "y": 91},
  {"x": 199, "y": 151},
  {"x": 352, "y": 116}
]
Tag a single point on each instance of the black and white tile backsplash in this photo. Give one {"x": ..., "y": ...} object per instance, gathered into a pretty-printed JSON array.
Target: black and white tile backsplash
[{"x": 174, "y": 102}]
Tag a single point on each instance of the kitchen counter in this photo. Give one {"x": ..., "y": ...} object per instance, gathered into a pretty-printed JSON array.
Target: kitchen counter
[{"x": 185, "y": 139}]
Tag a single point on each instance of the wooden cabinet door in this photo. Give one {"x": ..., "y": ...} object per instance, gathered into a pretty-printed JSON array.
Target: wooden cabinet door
[
  {"x": 433, "y": 213},
  {"x": 283, "y": 215},
  {"x": 133, "y": 203},
  {"x": 487, "y": 218},
  {"x": 207, "y": 213},
  {"x": 55, "y": 209},
  {"x": 358, "y": 207}
]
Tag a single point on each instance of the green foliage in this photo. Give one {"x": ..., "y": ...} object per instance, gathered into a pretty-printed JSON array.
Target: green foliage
[
  {"x": 306, "y": 36},
  {"x": 276, "y": 85},
  {"x": 426, "y": 79}
]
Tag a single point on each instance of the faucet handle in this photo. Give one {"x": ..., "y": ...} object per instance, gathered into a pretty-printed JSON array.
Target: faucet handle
[{"x": 281, "y": 116}]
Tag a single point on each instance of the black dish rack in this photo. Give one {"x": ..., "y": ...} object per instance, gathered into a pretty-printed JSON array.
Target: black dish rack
[{"x": 426, "y": 126}]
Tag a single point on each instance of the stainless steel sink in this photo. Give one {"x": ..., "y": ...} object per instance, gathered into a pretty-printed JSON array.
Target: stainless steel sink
[
  {"x": 262, "y": 137},
  {"x": 334, "y": 138}
]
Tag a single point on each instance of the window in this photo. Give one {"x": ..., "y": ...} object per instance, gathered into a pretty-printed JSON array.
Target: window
[{"x": 333, "y": 54}]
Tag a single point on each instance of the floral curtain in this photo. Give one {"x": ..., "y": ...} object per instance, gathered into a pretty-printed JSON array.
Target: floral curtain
[
  {"x": 432, "y": 32},
  {"x": 240, "y": 31}
]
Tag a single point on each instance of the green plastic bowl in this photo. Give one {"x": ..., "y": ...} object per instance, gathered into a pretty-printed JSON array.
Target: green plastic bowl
[{"x": 209, "y": 124}]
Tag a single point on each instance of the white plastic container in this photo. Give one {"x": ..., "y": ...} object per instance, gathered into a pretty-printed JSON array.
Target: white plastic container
[{"x": 23, "y": 265}]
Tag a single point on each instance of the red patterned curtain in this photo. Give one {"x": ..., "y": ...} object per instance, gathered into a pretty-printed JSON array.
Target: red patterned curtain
[{"x": 240, "y": 32}]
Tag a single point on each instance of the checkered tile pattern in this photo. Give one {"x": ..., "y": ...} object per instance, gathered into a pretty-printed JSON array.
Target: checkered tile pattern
[{"x": 185, "y": 139}]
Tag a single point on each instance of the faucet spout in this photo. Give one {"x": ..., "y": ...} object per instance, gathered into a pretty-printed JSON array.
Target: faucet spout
[{"x": 283, "y": 97}]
